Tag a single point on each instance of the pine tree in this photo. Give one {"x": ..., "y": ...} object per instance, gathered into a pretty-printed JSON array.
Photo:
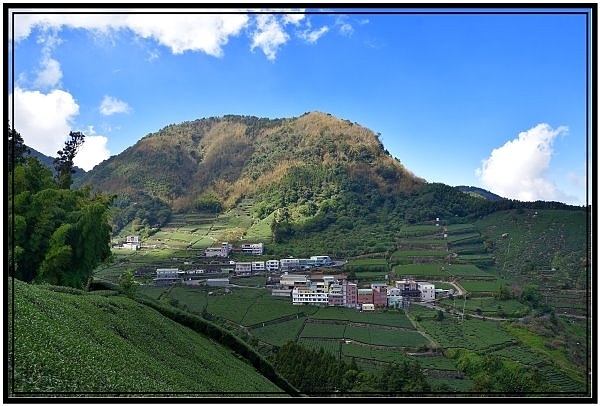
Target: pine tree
[{"x": 64, "y": 162}]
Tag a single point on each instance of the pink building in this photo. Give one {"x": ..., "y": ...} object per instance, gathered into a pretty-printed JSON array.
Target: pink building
[
  {"x": 351, "y": 293},
  {"x": 379, "y": 295}
]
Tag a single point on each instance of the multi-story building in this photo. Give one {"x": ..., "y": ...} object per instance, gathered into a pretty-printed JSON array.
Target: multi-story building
[
  {"x": 243, "y": 268},
  {"x": 408, "y": 288},
  {"x": 272, "y": 265},
  {"x": 322, "y": 260},
  {"x": 350, "y": 294},
  {"x": 253, "y": 249},
  {"x": 167, "y": 276},
  {"x": 222, "y": 251},
  {"x": 258, "y": 266},
  {"x": 379, "y": 294},
  {"x": 288, "y": 264},
  {"x": 427, "y": 291},
  {"x": 132, "y": 242},
  {"x": 365, "y": 296},
  {"x": 311, "y": 294}
]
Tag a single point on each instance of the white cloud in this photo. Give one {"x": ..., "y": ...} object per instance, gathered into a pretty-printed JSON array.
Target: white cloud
[
  {"x": 92, "y": 152},
  {"x": 111, "y": 105},
  {"x": 313, "y": 36},
  {"x": 179, "y": 32},
  {"x": 518, "y": 169},
  {"x": 269, "y": 35},
  {"x": 43, "y": 119},
  {"x": 50, "y": 73},
  {"x": 344, "y": 27}
]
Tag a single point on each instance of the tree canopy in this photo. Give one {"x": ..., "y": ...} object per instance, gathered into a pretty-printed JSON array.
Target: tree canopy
[{"x": 56, "y": 235}]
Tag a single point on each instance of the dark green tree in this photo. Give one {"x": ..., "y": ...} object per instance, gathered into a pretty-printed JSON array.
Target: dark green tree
[
  {"x": 16, "y": 148},
  {"x": 64, "y": 162}
]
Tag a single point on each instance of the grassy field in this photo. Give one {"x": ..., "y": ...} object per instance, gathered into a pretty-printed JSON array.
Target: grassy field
[
  {"x": 488, "y": 306},
  {"x": 148, "y": 352},
  {"x": 281, "y": 332},
  {"x": 385, "y": 337},
  {"x": 389, "y": 318}
]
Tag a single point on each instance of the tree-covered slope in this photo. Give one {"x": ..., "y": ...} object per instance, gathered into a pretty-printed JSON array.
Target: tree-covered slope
[
  {"x": 71, "y": 342},
  {"x": 317, "y": 179},
  {"x": 236, "y": 156}
]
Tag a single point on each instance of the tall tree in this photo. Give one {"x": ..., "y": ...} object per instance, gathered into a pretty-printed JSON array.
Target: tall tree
[
  {"x": 64, "y": 162},
  {"x": 17, "y": 150}
]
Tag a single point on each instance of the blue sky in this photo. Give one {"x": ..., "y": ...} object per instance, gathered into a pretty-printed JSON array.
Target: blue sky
[{"x": 495, "y": 100}]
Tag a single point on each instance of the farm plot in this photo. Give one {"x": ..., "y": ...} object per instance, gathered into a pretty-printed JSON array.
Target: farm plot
[
  {"x": 422, "y": 270},
  {"x": 488, "y": 306},
  {"x": 386, "y": 337},
  {"x": 331, "y": 346},
  {"x": 233, "y": 306},
  {"x": 193, "y": 300},
  {"x": 419, "y": 230},
  {"x": 388, "y": 318},
  {"x": 266, "y": 308},
  {"x": 435, "y": 362},
  {"x": 280, "y": 333},
  {"x": 474, "y": 334},
  {"x": 467, "y": 270},
  {"x": 352, "y": 350},
  {"x": 372, "y": 265},
  {"x": 370, "y": 276},
  {"x": 323, "y": 330},
  {"x": 488, "y": 285},
  {"x": 519, "y": 353}
]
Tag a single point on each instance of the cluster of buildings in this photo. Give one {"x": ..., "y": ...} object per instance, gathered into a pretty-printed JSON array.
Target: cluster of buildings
[
  {"x": 226, "y": 248},
  {"x": 172, "y": 275},
  {"x": 280, "y": 265},
  {"x": 331, "y": 291}
]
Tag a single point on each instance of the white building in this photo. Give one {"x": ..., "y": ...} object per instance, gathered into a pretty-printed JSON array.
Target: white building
[
  {"x": 321, "y": 260},
  {"x": 272, "y": 265},
  {"x": 132, "y": 242},
  {"x": 222, "y": 251},
  {"x": 258, "y": 266},
  {"x": 289, "y": 263},
  {"x": 311, "y": 294},
  {"x": 427, "y": 291},
  {"x": 254, "y": 249}
]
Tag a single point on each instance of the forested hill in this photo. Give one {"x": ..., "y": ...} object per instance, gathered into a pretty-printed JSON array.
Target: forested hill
[
  {"x": 309, "y": 178},
  {"x": 236, "y": 156}
]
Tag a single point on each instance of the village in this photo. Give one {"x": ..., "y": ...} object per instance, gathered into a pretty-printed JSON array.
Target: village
[{"x": 300, "y": 279}]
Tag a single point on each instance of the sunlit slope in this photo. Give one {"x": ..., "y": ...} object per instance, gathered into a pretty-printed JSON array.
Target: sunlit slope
[{"x": 68, "y": 342}]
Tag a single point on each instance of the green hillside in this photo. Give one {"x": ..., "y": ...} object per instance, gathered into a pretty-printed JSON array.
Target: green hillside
[
  {"x": 548, "y": 244},
  {"x": 71, "y": 342},
  {"x": 308, "y": 182}
]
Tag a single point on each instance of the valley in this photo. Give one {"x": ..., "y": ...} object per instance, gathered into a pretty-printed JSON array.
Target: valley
[
  {"x": 485, "y": 317},
  {"x": 434, "y": 290}
]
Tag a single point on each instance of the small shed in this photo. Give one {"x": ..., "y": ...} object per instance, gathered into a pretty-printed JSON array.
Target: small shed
[{"x": 368, "y": 307}]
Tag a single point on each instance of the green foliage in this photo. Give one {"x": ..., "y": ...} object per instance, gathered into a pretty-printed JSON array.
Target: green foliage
[
  {"x": 318, "y": 371},
  {"x": 209, "y": 202},
  {"x": 57, "y": 235},
  {"x": 138, "y": 213},
  {"x": 17, "y": 150},
  {"x": 127, "y": 283},
  {"x": 67, "y": 344},
  {"x": 64, "y": 162},
  {"x": 492, "y": 374}
]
